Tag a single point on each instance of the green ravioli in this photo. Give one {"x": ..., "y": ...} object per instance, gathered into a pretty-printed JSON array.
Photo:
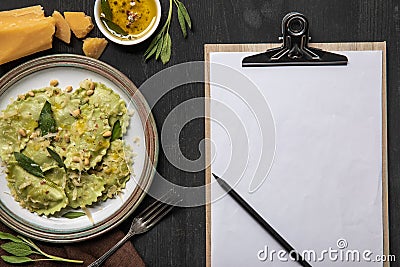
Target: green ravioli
[{"x": 77, "y": 163}]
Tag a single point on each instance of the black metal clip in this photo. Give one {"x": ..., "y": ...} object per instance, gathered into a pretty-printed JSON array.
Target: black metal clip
[{"x": 295, "y": 50}]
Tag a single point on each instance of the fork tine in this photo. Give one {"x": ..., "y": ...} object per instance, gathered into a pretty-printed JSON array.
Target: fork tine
[
  {"x": 157, "y": 219},
  {"x": 145, "y": 221},
  {"x": 154, "y": 206},
  {"x": 157, "y": 210},
  {"x": 160, "y": 213},
  {"x": 157, "y": 207}
]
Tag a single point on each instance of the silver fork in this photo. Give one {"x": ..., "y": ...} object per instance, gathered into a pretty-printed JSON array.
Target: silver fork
[{"x": 143, "y": 222}]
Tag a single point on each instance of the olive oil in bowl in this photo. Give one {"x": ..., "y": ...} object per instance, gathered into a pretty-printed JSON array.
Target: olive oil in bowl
[{"x": 127, "y": 21}]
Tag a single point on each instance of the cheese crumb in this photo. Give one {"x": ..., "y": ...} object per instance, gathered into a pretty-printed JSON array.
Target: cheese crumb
[
  {"x": 79, "y": 23},
  {"x": 136, "y": 140},
  {"x": 94, "y": 47}
]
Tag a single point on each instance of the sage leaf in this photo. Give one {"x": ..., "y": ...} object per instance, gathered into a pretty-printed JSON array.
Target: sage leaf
[
  {"x": 162, "y": 43},
  {"x": 116, "y": 131},
  {"x": 28, "y": 164},
  {"x": 16, "y": 259},
  {"x": 153, "y": 44},
  {"x": 166, "y": 51},
  {"x": 105, "y": 8},
  {"x": 56, "y": 157},
  {"x": 151, "y": 53},
  {"x": 47, "y": 124},
  {"x": 7, "y": 236},
  {"x": 185, "y": 14},
  {"x": 182, "y": 22},
  {"x": 17, "y": 249},
  {"x": 73, "y": 214},
  {"x": 159, "y": 47},
  {"x": 113, "y": 27}
]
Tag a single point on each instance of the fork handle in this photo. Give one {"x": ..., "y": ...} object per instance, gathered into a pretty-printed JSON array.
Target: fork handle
[{"x": 105, "y": 256}]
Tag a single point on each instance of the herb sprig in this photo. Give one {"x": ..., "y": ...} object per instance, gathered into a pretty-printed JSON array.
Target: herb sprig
[
  {"x": 20, "y": 248},
  {"x": 57, "y": 158},
  {"x": 161, "y": 45},
  {"x": 47, "y": 124},
  {"x": 116, "y": 131},
  {"x": 107, "y": 19},
  {"x": 73, "y": 214},
  {"x": 28, "y": 164}
]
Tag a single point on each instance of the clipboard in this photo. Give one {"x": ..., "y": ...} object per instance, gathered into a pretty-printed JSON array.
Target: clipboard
[{"x": 258, "y": 48}]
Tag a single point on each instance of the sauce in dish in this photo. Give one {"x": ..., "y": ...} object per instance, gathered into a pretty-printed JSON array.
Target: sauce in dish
[{"x": 128, "y": 19}]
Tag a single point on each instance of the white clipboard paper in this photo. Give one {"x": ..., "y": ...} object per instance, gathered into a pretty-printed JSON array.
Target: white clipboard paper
[{"x": 323, "y": 170}]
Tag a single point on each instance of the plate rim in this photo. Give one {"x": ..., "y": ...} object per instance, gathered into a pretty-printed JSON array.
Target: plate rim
[{"x": 151, "y": 143}]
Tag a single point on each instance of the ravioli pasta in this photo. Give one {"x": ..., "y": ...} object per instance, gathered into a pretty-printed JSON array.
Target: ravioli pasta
[
  {"x": 115, "y": 169},
  {"x": 21, "y": 114},
  {"x": 86, "y": 165}
]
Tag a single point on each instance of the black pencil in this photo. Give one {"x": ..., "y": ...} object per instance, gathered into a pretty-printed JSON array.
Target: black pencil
[{"x": 262, "y": 222}]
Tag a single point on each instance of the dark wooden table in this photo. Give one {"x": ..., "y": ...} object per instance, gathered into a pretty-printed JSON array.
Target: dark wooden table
[{"x": 179, "y": 240}]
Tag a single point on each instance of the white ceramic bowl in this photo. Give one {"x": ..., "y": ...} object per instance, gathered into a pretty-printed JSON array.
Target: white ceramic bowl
[{"x": 113, "y": 38}]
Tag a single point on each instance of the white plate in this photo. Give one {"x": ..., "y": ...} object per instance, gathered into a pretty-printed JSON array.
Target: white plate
[{"x": 141, "y": 136}]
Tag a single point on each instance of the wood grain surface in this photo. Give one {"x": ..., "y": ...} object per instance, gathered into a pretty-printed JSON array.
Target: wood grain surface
[{"x": 180, "y": 239}]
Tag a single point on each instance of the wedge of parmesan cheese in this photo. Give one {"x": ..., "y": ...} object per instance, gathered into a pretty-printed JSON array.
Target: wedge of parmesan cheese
[
  {"x": 63, "y": 31},
  {"x": 94, "y": 47},
  {"x": 79, "y": 23},
  {"x": 22, "y": 39}
]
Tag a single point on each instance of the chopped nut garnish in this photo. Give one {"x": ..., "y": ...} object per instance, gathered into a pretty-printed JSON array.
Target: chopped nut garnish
[
  {"x": 68, "y": 89},
  {"x": 30, "y": 93},
  {"x": 89, "y": 85},
  {"x": 33, "y": 135},
  {"x": 53, "y": 83},
  {"x": 92, "y": 86},
  {"x": 86, "y": 162},
  {"x": 76, "y": 183},
  {"x": 76, "y": 113},
  {"x": 107, "y": 134},
  {"x": 22, "y": 132},
  {"x": 22, "y": 97},
  {"x": 85, "y": 84},
  {"x": 76, "y": 159},
  {"x": 89, "y": 92}
]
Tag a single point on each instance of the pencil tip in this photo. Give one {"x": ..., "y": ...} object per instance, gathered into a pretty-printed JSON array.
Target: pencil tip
[{"x": 215, "y": 176}]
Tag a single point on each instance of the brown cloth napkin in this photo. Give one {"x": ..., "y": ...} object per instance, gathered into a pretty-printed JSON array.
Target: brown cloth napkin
[{"x": 88, "y": 251}]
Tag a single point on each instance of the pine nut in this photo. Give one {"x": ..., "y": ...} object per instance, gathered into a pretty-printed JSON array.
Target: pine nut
[
  {"x": 22, "y": 132},
  {"x": 68, "y": 89},
  {"x": 107, "y": 134},
  {"x": 76, "y": 113},
  {"x": 53, "y": 83}
]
